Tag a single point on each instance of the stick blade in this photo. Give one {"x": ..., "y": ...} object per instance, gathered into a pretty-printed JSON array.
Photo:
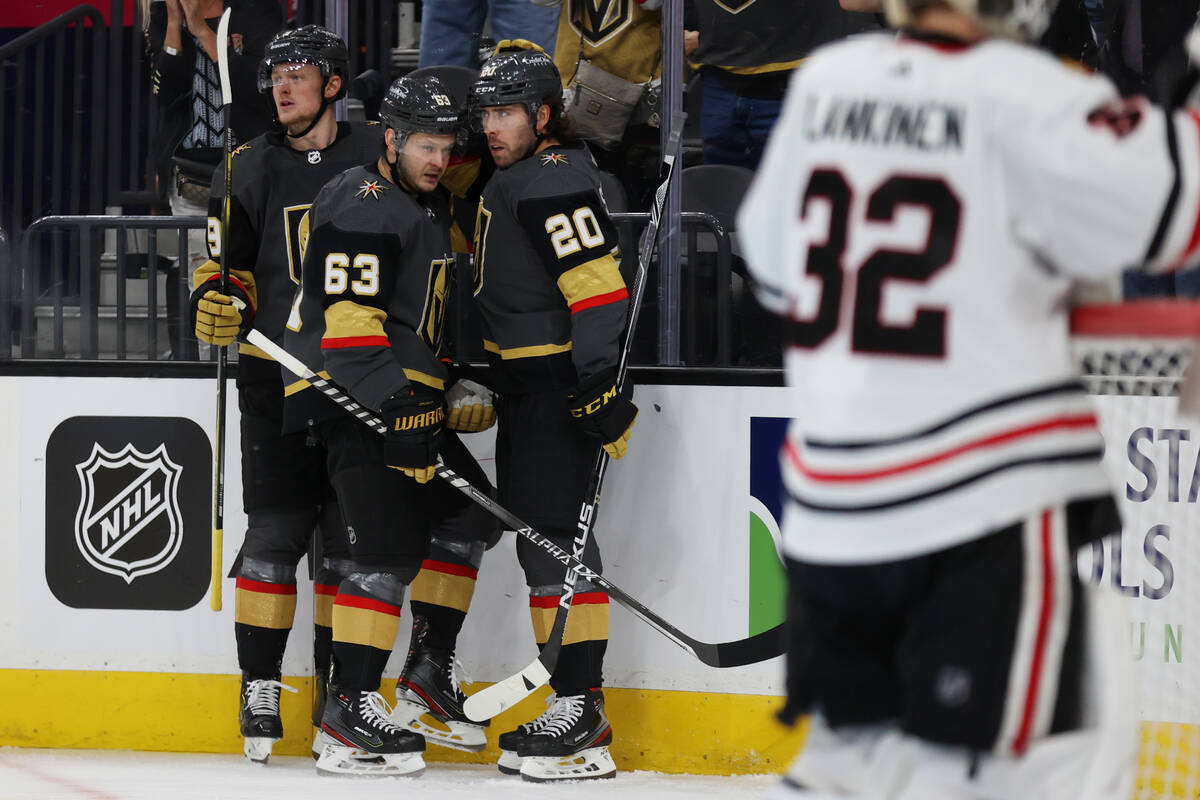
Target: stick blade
[
  {"x": 223, "y": 57},
  {"x": 487, "y": 703},
  {"x": 751, "y": 650}
]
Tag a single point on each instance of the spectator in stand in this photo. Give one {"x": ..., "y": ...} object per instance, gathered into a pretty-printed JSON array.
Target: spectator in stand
[
  {"x": 746, "y": 52},
  {"x": 452, "y": 30},
  {"x": 610, "y": 60},
  {"x": 181, "y": 45}
]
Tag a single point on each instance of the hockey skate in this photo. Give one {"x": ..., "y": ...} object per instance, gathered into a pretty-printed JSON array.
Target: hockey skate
[
  {"x": 429, "y": 701},
  {"x": 259, "y": 717},
  {"x": 572, "y": 742},
  {"x": 363, "y": 741},
  {"x": 511, "y": 741},
  {"x": 320, "y": 693}
]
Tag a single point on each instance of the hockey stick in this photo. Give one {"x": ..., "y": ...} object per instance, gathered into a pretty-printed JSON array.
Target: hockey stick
[
  {"x": 490, "y": 701},
  {"x": 218, "y": 535},
  {"x": 740, "y": 652}
]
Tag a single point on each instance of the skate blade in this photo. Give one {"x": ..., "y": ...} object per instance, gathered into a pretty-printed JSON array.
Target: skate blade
[
  {"x": 509, "y": 763},
  {"x": 450, "y": 733},
  {"x": 347, "y": 761},
  {"x": 320, "y": 740},
  {"x": 591, "y": 764},
  {"x": 257, "y": 749}
]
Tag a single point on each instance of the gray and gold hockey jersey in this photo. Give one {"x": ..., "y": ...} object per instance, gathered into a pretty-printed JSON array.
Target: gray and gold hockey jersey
[
  {"x": 375, "y": 280},
  {"x": 273, "y": 186},
  {"x": 547, "y": 273}
]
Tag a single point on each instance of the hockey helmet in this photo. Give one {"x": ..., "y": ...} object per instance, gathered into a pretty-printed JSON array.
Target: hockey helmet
[
  {"x": 309, "y": 44},
  {"x": 518, "y": 72},
  {"x": 1023, "y": 20},
  {"x": 420, "y": 105}
]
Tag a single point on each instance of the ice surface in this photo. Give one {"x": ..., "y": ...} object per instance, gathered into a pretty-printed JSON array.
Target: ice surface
[{"x": 27, "y": 774}]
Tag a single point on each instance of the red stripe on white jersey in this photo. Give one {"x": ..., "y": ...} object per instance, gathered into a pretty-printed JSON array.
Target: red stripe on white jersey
[
  {"x": 1041, "y": 633},
  {"x": 1053, "y": 425},
  {"x": 1194, "y": 239}
]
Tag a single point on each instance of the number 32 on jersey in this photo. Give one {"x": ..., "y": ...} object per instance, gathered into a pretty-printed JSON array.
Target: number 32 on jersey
[{"x": 926, "y": 334}]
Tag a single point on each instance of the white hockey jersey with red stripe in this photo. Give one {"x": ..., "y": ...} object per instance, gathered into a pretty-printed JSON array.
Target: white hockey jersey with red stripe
[{"x": 919, "y": 217}]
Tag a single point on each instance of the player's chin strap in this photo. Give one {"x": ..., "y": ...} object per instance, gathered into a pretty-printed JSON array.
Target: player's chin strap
[{"x": 325, "y": 103}]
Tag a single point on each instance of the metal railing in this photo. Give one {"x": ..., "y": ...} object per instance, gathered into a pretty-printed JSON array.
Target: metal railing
[
  {"x": 693, "y": 308},
  {"x": 83, "y": 289},
  {"x": 105, "y": 278}
]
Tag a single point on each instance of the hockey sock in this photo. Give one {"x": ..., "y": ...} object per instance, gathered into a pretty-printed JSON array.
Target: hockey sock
[
  {"x": 581, "y": 660},
  {"x": 441, "y": 593},
  {"x": 263, "y": 613},
  {"x": 366, "y": 616}
]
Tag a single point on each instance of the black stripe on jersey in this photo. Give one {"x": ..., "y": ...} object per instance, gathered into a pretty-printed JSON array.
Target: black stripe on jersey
[
  {"x": 1069, "y": 387},
  {"x": 1164, "y": 221},
  {"x": 567, "y": 230},
  {"x": 1089, "y": 455}
]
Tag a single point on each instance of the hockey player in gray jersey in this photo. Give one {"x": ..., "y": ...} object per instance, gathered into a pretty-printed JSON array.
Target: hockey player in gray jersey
[
  {"x": 553, "y": 304},
  {"x": 375, "y": 282},
  {"x": 285, "y": 491}
]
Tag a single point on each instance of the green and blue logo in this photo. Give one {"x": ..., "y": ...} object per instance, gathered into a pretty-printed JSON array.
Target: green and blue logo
[{"x": 768, "y": 581}]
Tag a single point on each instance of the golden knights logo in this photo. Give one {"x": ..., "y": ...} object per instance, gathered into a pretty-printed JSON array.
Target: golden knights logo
[
  {"x": 128, "y": 522},
  {"x": 596, "y": 20},
  {"x": 370, "y": 188}
]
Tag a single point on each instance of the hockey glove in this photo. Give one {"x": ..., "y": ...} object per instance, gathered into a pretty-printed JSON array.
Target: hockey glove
[
  {"x": 469, "y": 407},
  {"x": 414, "y": 423},
  {"x": 602, "y": 411},
  {"x": 219, "y": 318}
]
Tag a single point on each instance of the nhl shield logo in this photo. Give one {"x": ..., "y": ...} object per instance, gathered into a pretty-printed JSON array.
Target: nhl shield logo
[{"x": 128, "y": 522}]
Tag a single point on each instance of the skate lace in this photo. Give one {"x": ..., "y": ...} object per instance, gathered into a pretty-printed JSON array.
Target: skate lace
[
  {"x": 262, "y": 696},
  {"x": 565, "y": 712},
  {"x": 457, "y": 675},
  {"x": 374, "y": 710},
  {"x": 533, "y": 726}
]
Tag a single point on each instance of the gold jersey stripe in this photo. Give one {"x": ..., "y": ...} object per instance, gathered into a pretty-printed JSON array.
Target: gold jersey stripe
[
  {"x": 264, "y": 610},
  {"x": 586, "y": 623},
  {"x": 441, "y": 589},
  {"x": 429, "y": 380},
  {"x": 363, "y": 626},
  {"x": 525, "y": 352},
  {"x": 345, "y": 319},
  {"x": 301, "y": 385},
  {"x": 596, "y": 277},
  {"x": 778, "y": 66},
  {"x": 323, "y": 610}
]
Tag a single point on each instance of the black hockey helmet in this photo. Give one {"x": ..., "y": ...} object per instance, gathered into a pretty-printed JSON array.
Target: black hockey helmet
[
  {"x": 309, "y": 44},
  {"x": 518, "y": 72},
  {"x": 420, "y": 105}
]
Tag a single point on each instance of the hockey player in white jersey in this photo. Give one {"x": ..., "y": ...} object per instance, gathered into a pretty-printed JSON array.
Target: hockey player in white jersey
[{"x": 923, "y": 209}]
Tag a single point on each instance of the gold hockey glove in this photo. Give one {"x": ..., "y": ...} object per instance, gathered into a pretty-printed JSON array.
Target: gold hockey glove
[
  {"x": 602, "y": 412},
  {"x": 218, "y": 318},
  {"x": 469, "y": 407}
]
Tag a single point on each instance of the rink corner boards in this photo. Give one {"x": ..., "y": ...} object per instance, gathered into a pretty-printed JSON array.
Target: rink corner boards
[{"x": 665, "y": 731}]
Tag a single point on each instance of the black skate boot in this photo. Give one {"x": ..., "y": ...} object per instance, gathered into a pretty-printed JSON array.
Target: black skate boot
[
  {"x": 259, "y": 717},
  {"x": 429, "y": 701},
  {"x": 572, "y": 743},
  {"x": 512, "y": 741},
  {"x": 363, "y": 741}
]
